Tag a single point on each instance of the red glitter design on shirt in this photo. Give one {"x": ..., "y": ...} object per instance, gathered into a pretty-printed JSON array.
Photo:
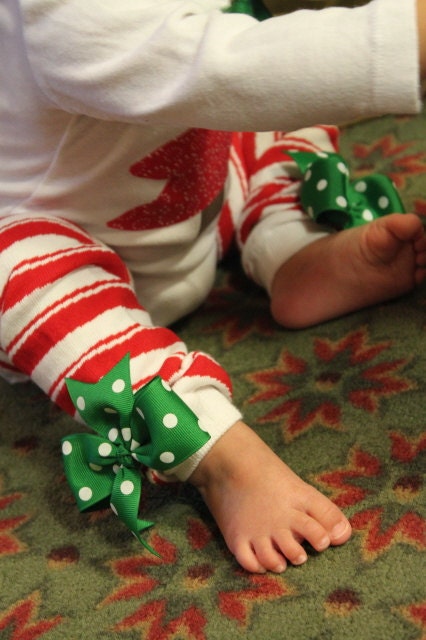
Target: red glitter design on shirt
[{"x": 195, "y": 165}]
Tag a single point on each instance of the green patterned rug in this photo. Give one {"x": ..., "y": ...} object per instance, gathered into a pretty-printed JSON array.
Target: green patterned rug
[{"x": 342, "y": 403}]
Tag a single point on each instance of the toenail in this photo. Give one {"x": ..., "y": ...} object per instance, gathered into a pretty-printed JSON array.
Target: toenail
[
  {"x": 323, "y": 544},
  {"x": 339, "y": 530},
  {"x": 280, "y": 568},
  {"x": 301, "y": 559}
]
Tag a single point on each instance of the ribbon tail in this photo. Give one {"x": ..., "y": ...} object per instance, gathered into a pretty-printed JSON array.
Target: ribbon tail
[{"x": 125, "y": 499}]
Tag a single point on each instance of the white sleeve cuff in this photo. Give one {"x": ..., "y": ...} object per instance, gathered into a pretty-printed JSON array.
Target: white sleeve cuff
[
  {"x": 275, "y": 241},
  {"x": 216, "y": 415}
]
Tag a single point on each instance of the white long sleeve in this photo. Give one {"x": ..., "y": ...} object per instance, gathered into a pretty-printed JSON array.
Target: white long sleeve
[{"x": 187, "y": 63}]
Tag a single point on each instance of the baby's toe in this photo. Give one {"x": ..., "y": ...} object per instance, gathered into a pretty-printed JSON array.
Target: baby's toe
[
  {"x": 245, "y": 555},
  {"x": 331, "y": 519},
  {"x": 312, "y": 531},
  {"x": 268, "y": 555},
  {"x": 341, "y": 532},
  {"x": 291, "y": 548}
]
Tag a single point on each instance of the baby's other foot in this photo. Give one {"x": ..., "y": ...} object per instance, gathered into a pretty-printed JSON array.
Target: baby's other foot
[{"x": 349, "y": 270}]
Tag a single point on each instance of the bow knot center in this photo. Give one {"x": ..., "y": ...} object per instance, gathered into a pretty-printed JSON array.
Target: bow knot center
[{"x": 124, "y": 458}]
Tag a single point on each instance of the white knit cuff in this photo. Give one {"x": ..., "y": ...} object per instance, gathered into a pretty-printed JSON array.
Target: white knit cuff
[
  {"x": 275, "y": 241},
  {"x": 216, "y": 415}
]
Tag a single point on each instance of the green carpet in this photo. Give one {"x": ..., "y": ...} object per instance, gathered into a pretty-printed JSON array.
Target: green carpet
[{"x": 343, "y": 403}]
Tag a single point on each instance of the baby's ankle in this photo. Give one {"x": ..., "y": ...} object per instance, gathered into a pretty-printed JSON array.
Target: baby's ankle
[{"x": 221, "y": 460}]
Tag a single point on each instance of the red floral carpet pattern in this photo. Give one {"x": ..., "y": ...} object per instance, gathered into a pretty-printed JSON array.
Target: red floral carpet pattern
[{"x": 343, "y": 403}]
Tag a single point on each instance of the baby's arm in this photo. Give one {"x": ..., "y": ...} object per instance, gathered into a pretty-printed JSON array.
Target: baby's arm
[{"x": 212, "y": 67}]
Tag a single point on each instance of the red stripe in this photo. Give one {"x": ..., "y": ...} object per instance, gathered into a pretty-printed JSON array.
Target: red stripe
[
  {"x": 69, "y": 307},
  {"x": 292, "y": 142},
  {"x": 226, "y": 230},
  {"x": 270, "y": 199},
  {"x": 8, "y": 367},
  {"x": 269, "y": 190},
  {"x": 333, "y": 134},
  {"x": 94, "y": 365},
  {"x": 27, "y": 228},
  {"x": 63, "y": 262},
  {"x": 67, "y": 320},
  {"x": 170, "y": 367},
  {"x": 205, "y": 366},
  {"x": 277, "y": 153},
  {"x": 247, "y": 152}
]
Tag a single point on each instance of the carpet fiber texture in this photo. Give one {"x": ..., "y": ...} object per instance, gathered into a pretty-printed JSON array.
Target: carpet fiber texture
[{"x": 343, "y": 403}]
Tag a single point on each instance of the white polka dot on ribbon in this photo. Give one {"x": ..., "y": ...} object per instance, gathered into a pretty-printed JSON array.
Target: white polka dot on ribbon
[
  {"x": 113, "y": 434},
  {"x": 118, "y": 386},
  {"x": 361, "y": 186},
  {"x": 170, "y": 420},
  {"x": 135, "y": 445},
  {"x": 167, "y": 457},
  {"x": 383, "y": 202},
  {"x": 127, "y": 487},
  {"x": 85, "y": 494},
  {"x": 66, "y": 448},
  {"x": 104, "y": 449}
]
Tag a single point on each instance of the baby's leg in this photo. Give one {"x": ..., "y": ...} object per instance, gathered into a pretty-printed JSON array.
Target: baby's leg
[
  {"x": 350, "y": 269},
  {"x": 263, "y": 509}
]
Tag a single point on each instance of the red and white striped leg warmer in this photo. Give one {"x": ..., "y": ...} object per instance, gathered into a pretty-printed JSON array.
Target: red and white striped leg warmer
[
  {"x": 262, "y": 203},
  {"x": 68, "y": 310}
]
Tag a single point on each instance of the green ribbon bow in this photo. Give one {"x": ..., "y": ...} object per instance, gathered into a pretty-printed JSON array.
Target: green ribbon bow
[
  {"x": 153, "y": 427},
  {"x": 329, "y": 197},
  {"x": 254, "y": 8}
]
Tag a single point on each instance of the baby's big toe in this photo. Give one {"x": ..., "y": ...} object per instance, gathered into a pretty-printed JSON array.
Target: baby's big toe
[{"x": 341, "y": 532}]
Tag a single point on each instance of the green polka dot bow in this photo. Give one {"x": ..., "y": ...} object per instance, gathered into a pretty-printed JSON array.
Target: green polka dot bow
[
  {"x": 329, "y": 197},
  {"x": 254, "y": 8},
  {"x": 152, "y": 427}
]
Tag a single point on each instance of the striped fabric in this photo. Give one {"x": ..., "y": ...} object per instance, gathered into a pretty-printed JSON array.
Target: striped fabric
[
  {"x": 260, "y": 183},
  {"x": 68, "y": 309},
  {"x": 67, "y": 304}
]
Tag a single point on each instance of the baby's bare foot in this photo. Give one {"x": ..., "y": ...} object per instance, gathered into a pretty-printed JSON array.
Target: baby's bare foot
[
  {"x": 264, "y": 510},
  {"x": 349, "y": 270}
]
